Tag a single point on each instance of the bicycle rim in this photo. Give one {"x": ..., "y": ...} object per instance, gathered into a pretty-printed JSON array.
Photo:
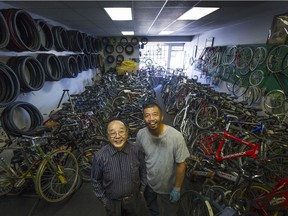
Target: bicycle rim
[
  {"x": 57, "y": 176},
  {"x": 274, "y": 101},
  {"x": 84, "y": 160},
  {"x": 206, "y": 117},
  {"x": 192, "y": 203}
]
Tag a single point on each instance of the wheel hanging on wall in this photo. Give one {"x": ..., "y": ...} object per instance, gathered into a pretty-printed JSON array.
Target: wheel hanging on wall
[
  {"x": 119, "y": 59},
  {"x": 110, "y": 59},
  {"x": 119, "y": 48},
  {"x": 129, "y": 49},
  {"x": 5, "y": 34},
  {"x": 109, "y": 48},
  {"x": 134, "y": 41},
  {"x": 123, "y": 41}
]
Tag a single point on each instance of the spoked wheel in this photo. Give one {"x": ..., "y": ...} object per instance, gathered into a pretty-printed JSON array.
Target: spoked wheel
[
  {"x": 206, "y": 117},
  {"x": 57, "y": 176},
  {"x": 85, "y": 162},
  {"x": 274, "y": 102},
  {"x": 192, "y": 203}
]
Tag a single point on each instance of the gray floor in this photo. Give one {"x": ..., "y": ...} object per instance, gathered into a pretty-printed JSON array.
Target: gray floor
[{"x": 82, "y": 203}]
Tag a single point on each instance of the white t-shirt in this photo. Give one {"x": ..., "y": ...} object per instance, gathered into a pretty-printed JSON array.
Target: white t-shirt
[{"x": 161, "y": 155}]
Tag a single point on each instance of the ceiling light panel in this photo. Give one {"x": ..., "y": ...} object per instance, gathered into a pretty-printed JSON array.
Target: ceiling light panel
[
  {"x": 119, "y": 13},
  {"x": 127, "y": 32},
  {"x": 197, "y": 12}
]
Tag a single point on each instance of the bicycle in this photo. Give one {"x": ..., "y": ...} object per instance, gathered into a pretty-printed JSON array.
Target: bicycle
[{"x": 55, "y": 173}]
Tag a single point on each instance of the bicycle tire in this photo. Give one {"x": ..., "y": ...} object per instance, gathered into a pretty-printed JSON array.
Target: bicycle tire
[
  {"x": 243, "y": 196},
  {"x": 84, "y": 160},
  {"x": 206, "y": 117},
  {"x": 245, "y": 55},
  {"x": 192, "y": 203},
  {"x": 275, "y": 58},
  {"x": 256, "y": 77},
  {"x": 259, "y": 56},
  {"x": 188, "y": 130},
  {"x": 178, "y": 118},
  {"x": 274, "y": 101},
  {"x": 55, "y": 186},
  {"x": 239, "y": 87},
  {"x": 277, "y": 166},
  {"x": 229, "y": 55}
]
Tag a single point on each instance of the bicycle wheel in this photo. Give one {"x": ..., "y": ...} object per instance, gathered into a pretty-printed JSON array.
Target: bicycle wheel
[
  {"x": 275, "y": 60},
  {"x": 244, "y": 196},
  {"x": 57, "y": 176},
  {"x": 192, "y": 203},
  {"x": 244, "y": 56},
  {"x": 256, "y": 77},
  {"x": 84, "y": 160},
  {"x": 259, "y": 57},
  {"x": 229, "y": 55},
  {"x": 178, "y": 118},
  {"x": 188, "y": 130},
  {"x": 274, "y": 101},
  {"x": 240, "y": 86},
  {"x": 277, "y": 166},
  {"x": 206, "y": 117}
]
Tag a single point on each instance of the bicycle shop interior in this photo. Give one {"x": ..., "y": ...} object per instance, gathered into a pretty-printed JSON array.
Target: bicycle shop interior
[{"x": 58, "y": 55}]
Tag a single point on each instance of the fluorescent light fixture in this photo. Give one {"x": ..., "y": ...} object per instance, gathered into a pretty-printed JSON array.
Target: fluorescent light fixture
[
  {"x": 127, "y": 32},
  {"x": 197, "y": 12},
  {"x": 119, "y": 13},
  {"x": 165, "y": 32}
]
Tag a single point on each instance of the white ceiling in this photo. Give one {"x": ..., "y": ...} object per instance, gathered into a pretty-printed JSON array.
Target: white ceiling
[{"x": 149, "y": 17}]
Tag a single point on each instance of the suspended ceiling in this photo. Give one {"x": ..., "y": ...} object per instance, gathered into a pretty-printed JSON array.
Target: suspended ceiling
[{"x": 149, "y": 17}]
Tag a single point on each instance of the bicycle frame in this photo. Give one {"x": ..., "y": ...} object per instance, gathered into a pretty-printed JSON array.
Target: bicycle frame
[
  {"x": 222, "y": 138},
  {"x": 276, "y": 199}
]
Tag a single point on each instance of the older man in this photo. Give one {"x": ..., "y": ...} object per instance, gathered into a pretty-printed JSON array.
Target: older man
[{"x": 119, "y": 174}]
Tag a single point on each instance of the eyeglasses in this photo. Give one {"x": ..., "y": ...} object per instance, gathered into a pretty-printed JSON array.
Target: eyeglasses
[{"x": 114, "y": 134}]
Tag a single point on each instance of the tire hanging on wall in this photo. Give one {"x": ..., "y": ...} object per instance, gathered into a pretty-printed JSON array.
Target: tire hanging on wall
[
  {"x": 129, "y": 49},
  {"x": 12, "y": 128},
  {"x": 134, "y": 41},
  {"x": 24, "y": 35},
  {"x": 109, "y": 48},
  {"x": 110, "y": 59},
  {"x": 61, "y": 40},
  {"x": 70, "y": 67},
  {"x": 52, "y": 66},
  {"x": 10, "y": 86},
  {"x": 119, "y": 49},
  {"x": 76, "y": 41},
  {"x": 5, "y": 34},
  {"x": 119, "y": 59},
  {"x": 29, "y": 71},
  {"x": 86, "y": 61},
  {"x": 46, "y": 35}
]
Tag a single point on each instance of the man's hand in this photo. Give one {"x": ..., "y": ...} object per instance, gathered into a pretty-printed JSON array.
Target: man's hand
[{"x": 175, "y": 195}]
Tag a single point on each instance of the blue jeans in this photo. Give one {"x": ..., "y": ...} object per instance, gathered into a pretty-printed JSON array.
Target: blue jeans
[{"x": 165, "y": 206}]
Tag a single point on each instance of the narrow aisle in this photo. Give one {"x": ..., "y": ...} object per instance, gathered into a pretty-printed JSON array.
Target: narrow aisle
[{"x": 168, "y": 119}]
